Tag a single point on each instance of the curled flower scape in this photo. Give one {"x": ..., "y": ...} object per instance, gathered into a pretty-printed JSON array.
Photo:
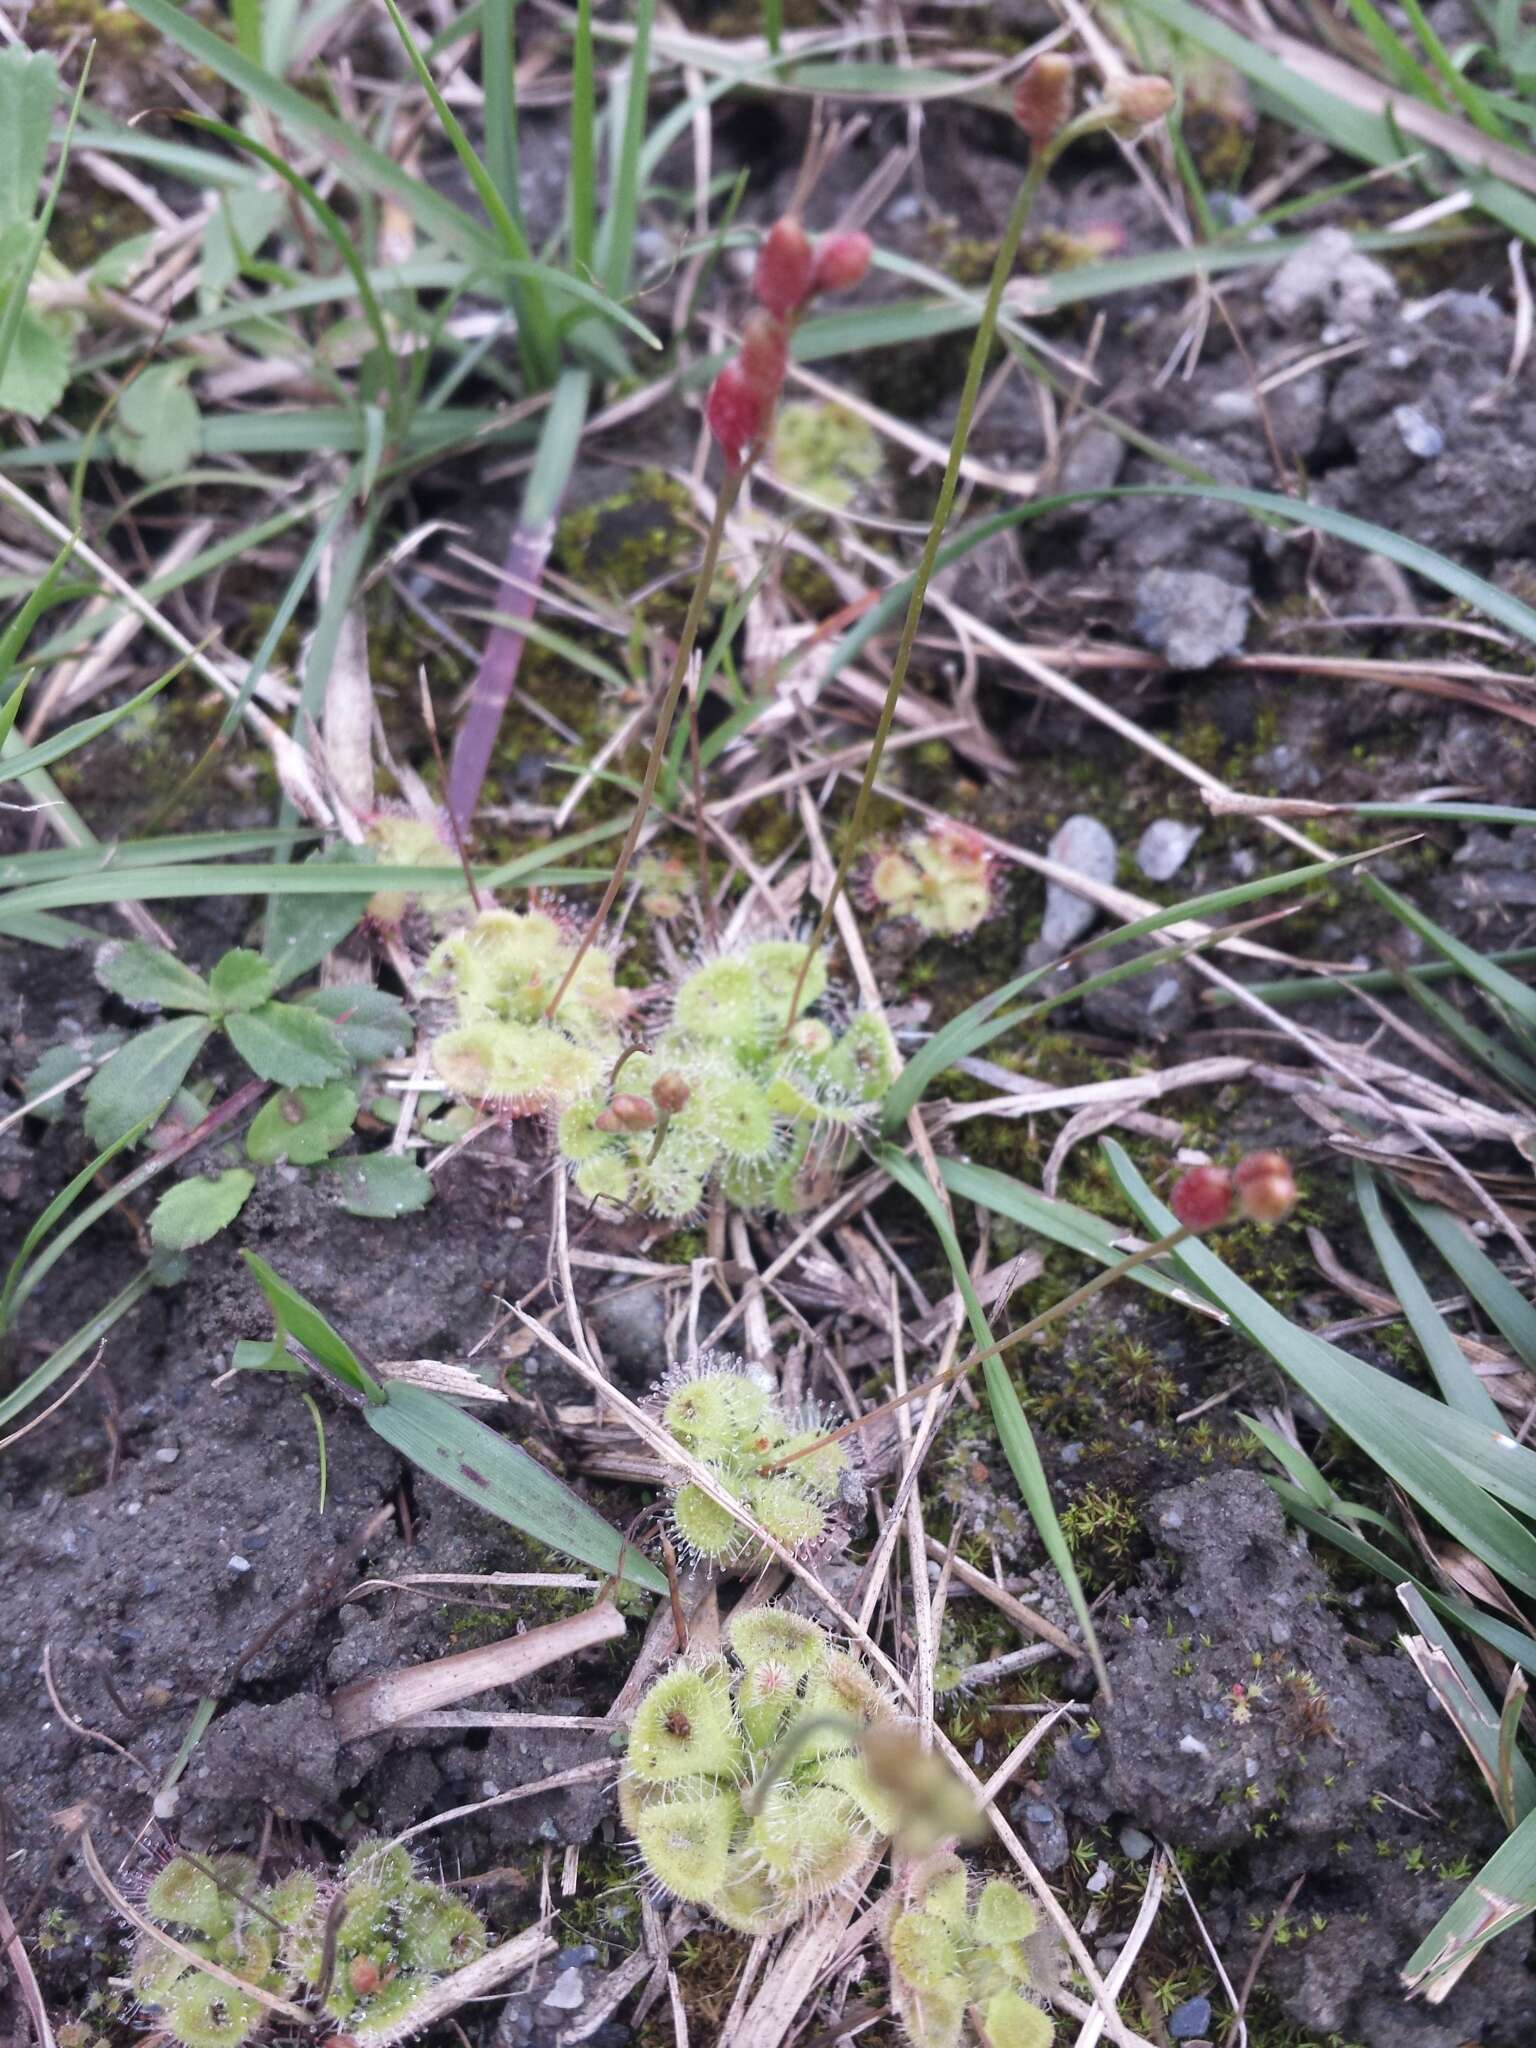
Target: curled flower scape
[
  {"x": 957, "y": 1953},
  {"x": 744, "y": 1787},
  {"x": 392, "y": 1936},
  {"x": 719, "y": 1413}
]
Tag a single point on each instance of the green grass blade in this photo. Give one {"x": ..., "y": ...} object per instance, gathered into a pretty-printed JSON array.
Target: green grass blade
[
  {"x": 56, "y": 1210},
  {"x": 1300, "y": 988},
  {"x": 976, "y": 1026},
  {"x": 369, "y": 167},
  {"x": 498, "y": 79},
  {"x": 84, "y": 1341},
  {"x": 583, "y": 143},
  {"x": 1408, "y": 1435},
  {"x": 1515, "y": 996},
  {"x": 1063, "y": 1223},
  {"x": 497, "y": 1475},
  {"x": 26, "y": 760},
  {"x": 1502, "y": 1894},
  {"x": 1516, "y": 1073},
  {"x": 50, "y": 862},
  {"x": 1456, "y": 1379},
  {"x": 300, "y": 1319},
  {"x": 1013, "y": 1428},
  {"x": 13, "y": 303},
  {"x": 616, "y": 257},
  {"x": 535, "y": 327},
  {"x": 1506, "y": 1308},
  {"x": 1477, "y": 1719}
]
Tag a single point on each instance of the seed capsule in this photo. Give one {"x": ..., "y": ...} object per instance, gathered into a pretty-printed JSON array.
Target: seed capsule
[
  {"x": 670, "y": 1093},
  {"x": 1135, "y": 103},
  {"x": 842, "y": 261},
  {"x": 633, "y": 1112},
  {"x": 1266, "y": 1188},
  {"x": 1042, "y": 99},
  {"x": 736, "y": 413},
  {"x": 782, "y": 279},
  {"x": 1202, "y": 1198},
  {"x": 764, "y": 353}
]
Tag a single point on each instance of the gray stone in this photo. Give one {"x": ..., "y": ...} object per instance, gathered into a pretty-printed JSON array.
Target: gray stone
[
  {"x": 1094, "y": 461},
  {"x": 631, "y": 1326},
  {"x": 1084, "y": 845},
  {"x": 1164, "y": 847},
  {"x": 1135, "y": 1844},
  {"x": 1191, "y": 616},
  {"x": 566, "y": 1993},
  {"x": 1190, "y": 2018},
  {"x": 1330, "y": 280},
  {"x": 1158, "y": 1003},
  {"x": 1420, "y": 435}
]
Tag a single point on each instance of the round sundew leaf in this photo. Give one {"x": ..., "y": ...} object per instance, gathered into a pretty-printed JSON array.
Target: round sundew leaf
[
  {"x": 686, "y": 1843},
  {"x": 1013, "y": 2021},
  {"x": 924, "y": 1951},
  {"x": 686, "y": 1727}
]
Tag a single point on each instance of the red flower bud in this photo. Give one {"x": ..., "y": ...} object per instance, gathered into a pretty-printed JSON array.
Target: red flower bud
[
  {"x": 364, "y": 1976},
  {"x": 632, "y": 1112},
  {"x": 1266, "y": 1189},
  {"x": 782, "y": 280},
  {"x": 737, "y": 414},
  {"x": 670, "y": 1093},
  {"x": 1202, "y": 1198},
  {"x": 764, "y": 353},
  {"x": 1135, "y": 103},
  {"x": 1042, "y": 99},
  {"x": 842, "y": 261}
]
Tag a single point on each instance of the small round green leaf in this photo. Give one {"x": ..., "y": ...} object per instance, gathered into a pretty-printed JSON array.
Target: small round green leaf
[
  {"x": 197, "y": 1209},
  {"x": 302, "y": 1125},
  {"x": 150, "y": 978},
  {"x": 242, "y": 980},
  {"x": 383, "y": 1184},
  {"x": 283, "y": 1043}
]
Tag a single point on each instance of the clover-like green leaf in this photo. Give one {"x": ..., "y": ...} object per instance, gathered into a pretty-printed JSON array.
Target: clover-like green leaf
[
  {"x": 158, "y": 429},
  {"x": 197, "y": 1209},
  {"x": 150, "y": 978},
  {"x": 283, "y": 1043},
  {"x": 141, "y": 1077},
  {"x": 382, "y": 1184},
  {"x": 370, "y": 1024},
  {"x": 302, "y": 1125},
  {"x": 242, "y": 980}
]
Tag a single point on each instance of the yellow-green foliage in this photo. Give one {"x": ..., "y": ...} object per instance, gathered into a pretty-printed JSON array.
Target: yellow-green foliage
[
  {"x": 953, "y": 1952},
  {"x": 709, "y": 1825},
  {"x": 716, "y": 1410},
  {"x": 502, "y": 970},
  {"x": 395, "y": 1935},
  {"x": 940, "y": 877},
  {"x": 826, "y": 451},
  {"x": 757, "y": 1108}
]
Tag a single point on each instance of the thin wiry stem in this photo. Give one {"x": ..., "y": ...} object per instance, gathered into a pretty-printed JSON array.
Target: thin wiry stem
[
  {"x": 690, "y": 633},
  {"x": 1002, "y": 270}
]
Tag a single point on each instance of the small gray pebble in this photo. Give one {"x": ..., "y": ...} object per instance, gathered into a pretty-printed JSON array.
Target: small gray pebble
[
  {"x": 1164, "y": 847},
  {"x": 1037, "y": 1810},
  {"x": 1135, "y": 1844},
  {"x": 167, "y": 1455},
  {"x": 565, "y": 1994},
  {"x": 1190, "y": 2018},
  {"x": 1421, "y": 437}
]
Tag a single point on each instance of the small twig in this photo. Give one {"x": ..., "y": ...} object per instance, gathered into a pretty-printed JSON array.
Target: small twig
[{"x": 78, "y": 1728}]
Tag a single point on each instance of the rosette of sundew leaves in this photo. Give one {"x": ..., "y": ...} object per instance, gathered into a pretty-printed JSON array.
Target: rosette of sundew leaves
[
  {"x": 958, "y": 1952},
  {"x": 368, "y": 1944},
  {"x": 745, "y": 1786},
  {"x": 732, "y": 1092},
  {"x": 501, "y": 971},
  {"x": 733, "y": 1425},
  {"x": 942, "y": 878},
  {"x": 396, "y": 1935},
  {"x": 217, "y": 1908}
]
